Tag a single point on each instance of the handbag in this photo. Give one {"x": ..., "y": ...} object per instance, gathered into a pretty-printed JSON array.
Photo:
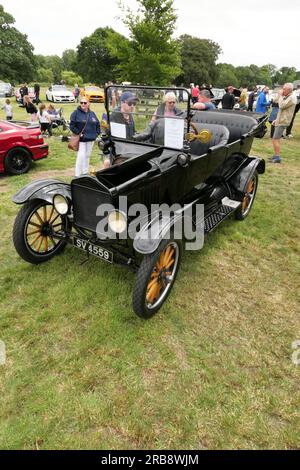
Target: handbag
[{"x": 73, "y": 143}]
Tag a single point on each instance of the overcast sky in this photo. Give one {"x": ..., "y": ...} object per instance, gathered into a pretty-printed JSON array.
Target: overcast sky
[{"x": 252, "y": 32}]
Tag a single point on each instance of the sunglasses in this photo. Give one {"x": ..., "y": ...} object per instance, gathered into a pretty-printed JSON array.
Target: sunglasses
[
  {"x": 171, "y": 102},
  {"x": 131, "y": 103},
  {"x": 83, "y": 102}
]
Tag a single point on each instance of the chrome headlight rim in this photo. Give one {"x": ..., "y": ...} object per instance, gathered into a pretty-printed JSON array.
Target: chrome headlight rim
[
  {"x": 61, "y": 204},
  {"x": 112, "y": 224}
]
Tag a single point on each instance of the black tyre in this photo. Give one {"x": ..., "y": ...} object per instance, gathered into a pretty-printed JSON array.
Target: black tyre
[
  {"x": 243, "y": 211},
  {"x": 34, "y": 232},
  {"x": 156, "y": 277},
  {"x": 17, "y": 161}
]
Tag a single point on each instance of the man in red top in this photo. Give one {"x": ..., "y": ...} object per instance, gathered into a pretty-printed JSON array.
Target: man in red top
[{"x": 195, "y": 94}]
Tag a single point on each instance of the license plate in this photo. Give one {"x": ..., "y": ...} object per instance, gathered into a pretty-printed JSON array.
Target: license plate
[{"x": 93, "y": 249}]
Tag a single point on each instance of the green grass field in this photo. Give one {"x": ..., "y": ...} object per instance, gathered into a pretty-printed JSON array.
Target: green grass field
[{"x": 212, "y": 370}]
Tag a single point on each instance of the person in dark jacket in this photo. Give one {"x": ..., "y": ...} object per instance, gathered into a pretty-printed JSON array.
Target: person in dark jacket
[
  {"x": 30, "y": 108},
  {"x": 83, "y": 121},
  {"x": 123, "y": 114},
  {"x": 251, "y": 99},
  {"x": 37, "y": 92},
  {"x": 228, "y": 99}
]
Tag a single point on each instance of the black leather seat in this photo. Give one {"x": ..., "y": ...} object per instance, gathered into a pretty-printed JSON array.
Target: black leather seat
[
  {"x": 220, "y": 136},
  {"x": 237, "y": 124}
]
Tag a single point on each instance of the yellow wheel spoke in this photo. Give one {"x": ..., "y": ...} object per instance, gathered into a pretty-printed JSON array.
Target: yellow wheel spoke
[
  {"x": 34, "y": 224},
  {"x": 151, "y": 283},
  {"x": 55, "y": 219},
  {"x": 35, "y": 240},
  {"x": 169, "y": 264},
  {"x": 45, "y": 213},
  {"x": 39, "y": 217},
  {"x": 153, "y": 293},
  {"x": 171, "y": 253},
  {"x": 45, "y": 244},
  {"x": 51, "y": 213},
  {"x": 33, "y": 233},
  {"x": 40, "y": 244}
]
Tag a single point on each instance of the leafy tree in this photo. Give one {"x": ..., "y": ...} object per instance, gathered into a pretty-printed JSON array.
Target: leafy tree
[
  {"x": 71, "y": 78},
  {"x": 95, "y": 62},
  {"x": 285, "y": 74},
  {"x": 16, "y": 53},
  {"x": 69, "y": 58},
  {"x": 45, "y": 75},
  {"x": 151, "y": 56},
  {"x": 55, "y": 63},
  {"x": 226, "y": 76},
  {"x": 198, "y": 58}
]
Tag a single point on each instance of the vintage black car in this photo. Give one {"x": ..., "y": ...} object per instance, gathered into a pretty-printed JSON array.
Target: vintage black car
[{"x": 194, "y": 159}]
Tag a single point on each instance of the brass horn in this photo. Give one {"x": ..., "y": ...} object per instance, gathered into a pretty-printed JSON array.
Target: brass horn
[{"x": 204, "y": 136}]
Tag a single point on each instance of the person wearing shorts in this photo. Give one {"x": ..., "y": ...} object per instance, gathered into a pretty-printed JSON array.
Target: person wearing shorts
[{"x": 286, "y": 103}]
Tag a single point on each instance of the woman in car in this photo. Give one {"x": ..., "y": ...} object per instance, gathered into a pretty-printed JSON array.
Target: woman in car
[{"x": 167, "y": 108}]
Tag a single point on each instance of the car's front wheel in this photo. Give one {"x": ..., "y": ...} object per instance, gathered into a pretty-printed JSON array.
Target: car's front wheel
[
  {"x": 248, "y": 199},
  {"x": 34, "y": 231},
  {"x": 17, "y": 161},
  {"x": 156, "y": 277}
]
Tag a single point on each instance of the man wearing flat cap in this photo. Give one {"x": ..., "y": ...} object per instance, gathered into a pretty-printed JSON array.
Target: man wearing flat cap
[{"x": 123, "y": 113}]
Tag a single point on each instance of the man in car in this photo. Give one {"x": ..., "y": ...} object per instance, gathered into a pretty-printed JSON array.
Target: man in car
[
  {"x": 123, "y": 113},
  {"x": 204, "y": 101}
]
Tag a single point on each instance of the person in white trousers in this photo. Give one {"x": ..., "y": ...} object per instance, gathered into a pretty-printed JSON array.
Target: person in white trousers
[{"x": 84, "y": 122}]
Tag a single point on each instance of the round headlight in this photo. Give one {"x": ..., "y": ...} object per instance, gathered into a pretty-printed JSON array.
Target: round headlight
[
  {"x": 117, "y": 221},
  {"x": 61, "y": 204}
]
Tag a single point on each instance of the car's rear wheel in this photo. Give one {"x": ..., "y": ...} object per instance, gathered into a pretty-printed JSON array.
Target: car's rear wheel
[
  {"x": 243, "y": 211},
  {"x": 17, "y": 161},
  {"x": 156, "y": 277},
  {"x": 34, "y": 231}
]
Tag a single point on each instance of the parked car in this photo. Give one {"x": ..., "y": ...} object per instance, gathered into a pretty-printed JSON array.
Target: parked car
[
  {"x": 93, "y": 93},
  {"x": 198, "y": 160},
  {"x": 20, "y": 144},
  {"x": 6, "y": 89},
  {"x": 31, "y": 94},
  {"x": 218, "y": 95},
  {"x": 59, "y": 94}
]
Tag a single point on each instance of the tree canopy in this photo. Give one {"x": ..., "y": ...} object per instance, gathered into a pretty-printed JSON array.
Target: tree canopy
[
  {"x": 198, "y": 57},
  {"x": 151, "y": 55},
  {"x": 95, "y": 62},
  {"x": 16, "y": 53}
]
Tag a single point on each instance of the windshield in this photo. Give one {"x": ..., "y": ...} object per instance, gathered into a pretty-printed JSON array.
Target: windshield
[
  {"x": 146, "y": 114},
  {"x": 59, "y": 87},
  {"x": 92, "y": 88}
]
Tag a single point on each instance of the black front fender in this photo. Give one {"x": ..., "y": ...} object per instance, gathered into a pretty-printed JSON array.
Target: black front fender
[
  {"x": 159, "y": 227},
  {"x": 240, "y": 179},
  {"x": 42, "y": 189}
]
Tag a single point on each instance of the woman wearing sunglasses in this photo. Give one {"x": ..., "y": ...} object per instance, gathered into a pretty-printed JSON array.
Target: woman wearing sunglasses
[
  {"x": 167, "y": 108},
  {"x": 83, "y": 121}
]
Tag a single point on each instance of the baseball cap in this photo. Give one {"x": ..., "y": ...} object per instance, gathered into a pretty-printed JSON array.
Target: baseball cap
[{"x": 127, "y": 95}]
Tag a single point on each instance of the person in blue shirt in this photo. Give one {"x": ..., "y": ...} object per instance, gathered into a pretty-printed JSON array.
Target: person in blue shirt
[
  {"x": 204, "y": 101},
  {"x": 262, "y": 102},
  {"x": 83, "y": 121}
]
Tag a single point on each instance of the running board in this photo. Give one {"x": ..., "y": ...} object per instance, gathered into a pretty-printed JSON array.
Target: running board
[{"x": 212, "y": 220}]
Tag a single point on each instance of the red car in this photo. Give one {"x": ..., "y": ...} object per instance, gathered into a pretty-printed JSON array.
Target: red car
[{"x": 20, "y": 143}]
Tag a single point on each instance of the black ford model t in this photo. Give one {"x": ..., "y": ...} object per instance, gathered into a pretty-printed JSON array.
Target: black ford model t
[{"x": 166, "y": 162}]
